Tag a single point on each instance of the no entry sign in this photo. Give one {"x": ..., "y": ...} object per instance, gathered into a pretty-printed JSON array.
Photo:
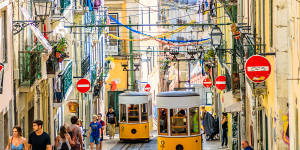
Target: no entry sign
[
  {"x": 83, "y": 85},
  {"x": 221, "y": 82},
  {"x": 147, "y": 87},
  {"x": 258, "y": 68},
  {"x": 207, "y": 83}
]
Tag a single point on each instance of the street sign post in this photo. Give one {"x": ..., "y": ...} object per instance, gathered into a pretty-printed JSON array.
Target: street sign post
[
  {"x": 83, "y": 85},
  {"x": 258, "y": 68},
  {"x": 147, "y": 88},
  {"x": 207, "y": 83},
  {"x": 221, "y": 82}
]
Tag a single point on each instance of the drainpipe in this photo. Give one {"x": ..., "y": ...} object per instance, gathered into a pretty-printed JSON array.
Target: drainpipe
[
  {"x": 254, "y": 118},
  {"x": 132, "y": 85}
]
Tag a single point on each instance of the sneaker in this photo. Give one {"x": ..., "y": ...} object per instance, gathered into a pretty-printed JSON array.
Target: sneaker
[{"x": 221, "y": 147}]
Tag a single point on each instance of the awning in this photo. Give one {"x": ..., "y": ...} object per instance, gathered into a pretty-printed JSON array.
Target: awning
[{"x": 37, "y": 32}]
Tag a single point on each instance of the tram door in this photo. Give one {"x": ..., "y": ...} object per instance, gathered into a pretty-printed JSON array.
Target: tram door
[{"x": 113, "y": 101}]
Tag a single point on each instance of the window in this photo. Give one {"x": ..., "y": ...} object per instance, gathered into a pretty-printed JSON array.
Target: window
[
  {"x": 144, "y": 112},
  {"x": 194, "y": 121},
  {"x": 3, "y": 36},
  {"x": 133, "y": 113},
  {"x": 163, "y": 121},
  {"x": 113, "y": 30},
  {"x": 178, "y": 121},
  {"x": 122, "y": 112}
]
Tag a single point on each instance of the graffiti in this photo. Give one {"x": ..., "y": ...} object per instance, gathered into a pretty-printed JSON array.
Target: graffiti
[{"x": 285, "y": 133}]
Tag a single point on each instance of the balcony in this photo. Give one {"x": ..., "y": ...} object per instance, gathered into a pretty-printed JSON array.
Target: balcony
[
  {"x": 93, "y": 74},
  {"x": 64, "y": 4},
  {"x": 66, "y": 79},
  {"x": 30, "y": 65},
  {"x": 85, "y": 66}
]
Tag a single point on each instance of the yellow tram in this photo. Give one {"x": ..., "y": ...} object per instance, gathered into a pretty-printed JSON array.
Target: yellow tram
[
  {"x": 135, "y": 116},
  {"x": 178, "y": 121}
]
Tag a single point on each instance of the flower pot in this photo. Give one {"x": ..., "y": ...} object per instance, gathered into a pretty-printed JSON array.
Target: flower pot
[{"x": 57, "y": 54}]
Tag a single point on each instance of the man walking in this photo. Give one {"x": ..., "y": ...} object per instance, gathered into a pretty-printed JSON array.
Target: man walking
[
  {"x": 111, "y": 122},
  {"x": 94, "y": 133},
  {"x": 75, "y": 133},
  {"x": 38, "y": 139}
]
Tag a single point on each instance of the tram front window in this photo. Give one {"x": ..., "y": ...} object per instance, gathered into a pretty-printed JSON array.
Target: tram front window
[
  {"x": 194, "y": 120},
  {"x": 122, "y": 112},
  {"x": 133, "y": 113},
  {"x": 163, "y": 121},
  {"x": 144, "y": 112},
  {"x": 178, "y": 121}
]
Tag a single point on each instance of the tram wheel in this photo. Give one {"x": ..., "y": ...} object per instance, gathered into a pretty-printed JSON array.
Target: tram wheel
[{"x": 179, "y": 147}]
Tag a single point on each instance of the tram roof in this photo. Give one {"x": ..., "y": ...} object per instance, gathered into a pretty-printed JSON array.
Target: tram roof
[
  {"x": 134, "y": 94},
  {"x": 177, "y": 94}
]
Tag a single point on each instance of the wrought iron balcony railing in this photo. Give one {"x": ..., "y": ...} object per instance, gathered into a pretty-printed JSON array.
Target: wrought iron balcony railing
[
  {"x": 66, "y": 79},
  {"x": 85, "y": 66},
  {"x": 30, "y": 64},
  {"x": 93, "y": 74}
]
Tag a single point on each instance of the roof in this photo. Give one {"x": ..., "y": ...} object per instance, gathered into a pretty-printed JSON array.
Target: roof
[
  {"x": 177, "y": 94},
  {"x": 134, "y": 94}
]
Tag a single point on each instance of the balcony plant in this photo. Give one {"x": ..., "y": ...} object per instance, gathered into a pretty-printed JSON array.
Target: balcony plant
[{"x": 60, "y": 49}]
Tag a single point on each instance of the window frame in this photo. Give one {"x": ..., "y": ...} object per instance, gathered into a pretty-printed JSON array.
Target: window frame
[
  {"x": 158, "y": 118},
  {"x": 4, "y": 35},
  {"x": 186, "y": 126},
  {"x": 120, "y": 114},
  {"x": 147, "y": 111},
  {"x": 190, "y": 119},
  {"x": 138, "y": 115}
]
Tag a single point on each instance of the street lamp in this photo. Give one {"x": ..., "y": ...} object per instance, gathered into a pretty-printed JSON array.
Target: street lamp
[
  {"x": 216, "y": 37},
  {"x": 42, "y": 8}
]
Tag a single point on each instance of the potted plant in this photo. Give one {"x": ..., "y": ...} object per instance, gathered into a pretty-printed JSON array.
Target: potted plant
[{"x": 60, "y": 48}]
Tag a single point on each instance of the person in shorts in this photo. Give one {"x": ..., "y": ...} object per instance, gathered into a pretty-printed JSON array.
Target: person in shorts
[
  {"x": 94, "y": 133},
  {"x": 102, "y": 129}
]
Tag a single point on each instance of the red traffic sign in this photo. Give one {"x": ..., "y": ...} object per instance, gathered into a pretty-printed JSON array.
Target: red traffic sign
[
  {"x": 207, "y": 83},
  {"x": 1, "y": 67},
  {"x": 147, "y": 87},
  {"x": 258, "y": 68},
  {"x": 221, "y": 82},
  {"x": 83, "y": 85}
]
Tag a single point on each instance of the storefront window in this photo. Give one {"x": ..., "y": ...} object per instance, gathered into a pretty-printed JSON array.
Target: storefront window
[
  {"x": 133, "y": 113},
  {"x": 122, "y": 112},
  {"x": 194, "y": 120},
  {"x": 178, "y": 121},
  {"x": 163, "y": 121},
  {"x": 144, "y": 112}
]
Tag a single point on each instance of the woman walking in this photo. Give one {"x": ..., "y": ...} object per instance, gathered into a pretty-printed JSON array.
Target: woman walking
[
  {"x": 17, "y": 142},
  {"x": 63, "y": 140}
]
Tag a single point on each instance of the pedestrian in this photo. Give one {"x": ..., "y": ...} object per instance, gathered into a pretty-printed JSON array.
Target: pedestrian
[
  {"x": 79, "y": 123},
  {"x": 102, "y": 129},
  {"x": 63, "y": 140},
  {"x": 38, "y": 139},
  {"x": 208, "y": 124},
  {"x": 245, "y": 146},
  {"x": 225, "y": 130},
  {"x": 94, "y": 133},
  {"x": 111, "y": 120},
  {"x": 16, "y": 141},
  {"x": 75, "y": 133}
]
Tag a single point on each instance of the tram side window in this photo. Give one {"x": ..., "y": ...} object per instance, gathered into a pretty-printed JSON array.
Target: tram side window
[
  {"x": 163, "y": 121},
  {"x": 178, "y": 121},
  {"x": 122, "y": 112},
  {"x": 144, "y": 112},
  {"x": 133, "y": 113},
  {"x": 194, "y": 120}
]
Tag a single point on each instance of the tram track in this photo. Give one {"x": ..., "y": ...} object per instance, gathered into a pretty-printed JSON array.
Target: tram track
[{"x": 132, "y": 146}]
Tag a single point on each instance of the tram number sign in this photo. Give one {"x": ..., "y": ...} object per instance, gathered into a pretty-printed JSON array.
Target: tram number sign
[
  {"x": 221, "y": 82},
  {"x": 83, "y": 85},
  {"x": 147, "y": 88},
  {"x": 258, "y": 68},
  {"x": 207, "y": 83}
]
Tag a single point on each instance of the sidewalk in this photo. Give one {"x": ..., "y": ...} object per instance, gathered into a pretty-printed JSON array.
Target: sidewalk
[{"x": 212, "y": 145}]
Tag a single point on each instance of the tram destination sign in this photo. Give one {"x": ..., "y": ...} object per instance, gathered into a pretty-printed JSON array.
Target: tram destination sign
[{"x": 258, "y": 68}]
